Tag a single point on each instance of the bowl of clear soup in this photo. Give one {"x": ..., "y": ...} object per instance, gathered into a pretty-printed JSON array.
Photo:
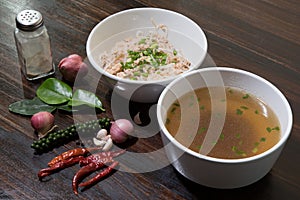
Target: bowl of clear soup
[{"x": 223, "y": 127}]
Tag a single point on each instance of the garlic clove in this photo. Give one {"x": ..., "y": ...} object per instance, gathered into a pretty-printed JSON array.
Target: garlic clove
[
  {"x": 97, "y": 142},
  {"x": 106, "y": 137},
  {"x": 137, "y": 119},
  {"x": 108, "y": 145},
  {"x": 101, "y": 133}
]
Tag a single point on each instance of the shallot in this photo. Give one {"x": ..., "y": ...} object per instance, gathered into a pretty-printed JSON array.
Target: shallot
[
  {"x": 42, "y": 122},
  {"x": 72, "y": 67},
  {"x": 120, "y": 130}
]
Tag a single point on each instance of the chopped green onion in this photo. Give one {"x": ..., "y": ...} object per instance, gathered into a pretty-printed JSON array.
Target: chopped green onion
[
  {"x": 254, "y": 150},
  {"x": 173, "y": 109},
  {"x": 244, "y": 107},
  {"x": 154, "y": 46},
  {"x": 145, "y": 74},
  {"x": 153, "y": 61},
  {"x": 145, "y": 53},
  {"x": 136, "y": 73},
  {"x": 142, "y": 41},
  {"x": 239, "y": 111},
  {"x": 175, "y": 52},
  {"x": 167, "y": 121},
  {"x": 263, "y": 139},
  {"x": 276, "y": 128},
  {"x": 176, "y": 104},
  {"x": 246, "y": 96},
  {"x": 238, "y": 151}
]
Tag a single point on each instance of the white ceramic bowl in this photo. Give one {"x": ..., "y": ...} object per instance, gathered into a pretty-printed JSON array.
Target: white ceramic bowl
[
  {"x": 183, "y": 33},
  {"x": 216, "y": 172}
]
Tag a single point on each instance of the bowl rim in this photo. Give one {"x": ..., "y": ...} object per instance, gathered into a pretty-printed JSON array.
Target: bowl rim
[
  {"x": 172, "y": 140},
  {"x": 140, "y": 82}
]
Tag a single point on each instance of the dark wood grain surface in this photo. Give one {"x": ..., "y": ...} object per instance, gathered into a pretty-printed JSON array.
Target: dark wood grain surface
[{"x": 261, "y": 36}]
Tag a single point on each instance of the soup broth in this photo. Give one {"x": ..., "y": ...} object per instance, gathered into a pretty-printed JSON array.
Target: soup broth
[{"x": 250, "y": 126}]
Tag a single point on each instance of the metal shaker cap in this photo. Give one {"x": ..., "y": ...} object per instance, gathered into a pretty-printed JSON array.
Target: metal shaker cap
[{"x": 29, "y": 20}]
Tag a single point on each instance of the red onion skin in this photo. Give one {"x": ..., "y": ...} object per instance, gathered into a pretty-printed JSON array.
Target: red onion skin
[
  {"x": 72, "y": 66},
  {"x": 120, "y": 130},
  {"x": 42, "y": 121}
]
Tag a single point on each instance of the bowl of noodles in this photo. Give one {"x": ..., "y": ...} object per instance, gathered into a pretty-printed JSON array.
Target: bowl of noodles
[{"x": 139, "y": 51}]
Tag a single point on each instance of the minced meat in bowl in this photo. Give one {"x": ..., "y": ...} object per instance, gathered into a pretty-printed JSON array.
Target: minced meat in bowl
[
  {"x": 147, "y": 56},
  {"x": 140, "y": 48}
]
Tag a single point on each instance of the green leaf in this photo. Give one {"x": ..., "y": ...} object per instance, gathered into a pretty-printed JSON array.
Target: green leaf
[
  {"x": 53, "y": 91},
  {"x": 83, "y": 97},
  {"x": 66, "y": 108},
  {"x": 30, "y": 107}
]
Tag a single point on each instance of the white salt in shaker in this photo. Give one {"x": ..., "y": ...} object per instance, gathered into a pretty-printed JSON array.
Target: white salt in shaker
[{"x": 33, "y": 45}]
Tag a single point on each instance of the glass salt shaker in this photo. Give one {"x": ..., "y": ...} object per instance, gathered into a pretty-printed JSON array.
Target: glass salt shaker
[{"x": 33, "y": 45}]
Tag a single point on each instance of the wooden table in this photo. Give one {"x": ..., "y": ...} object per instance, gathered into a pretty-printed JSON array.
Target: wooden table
[{"x": 259, "y": 36}]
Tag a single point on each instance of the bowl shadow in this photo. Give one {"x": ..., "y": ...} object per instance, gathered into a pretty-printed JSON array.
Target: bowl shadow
[{"x": 256, "y": 190}]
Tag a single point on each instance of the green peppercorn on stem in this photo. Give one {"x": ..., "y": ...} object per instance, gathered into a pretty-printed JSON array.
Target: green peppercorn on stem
[{"x": 71, "y": 133}]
